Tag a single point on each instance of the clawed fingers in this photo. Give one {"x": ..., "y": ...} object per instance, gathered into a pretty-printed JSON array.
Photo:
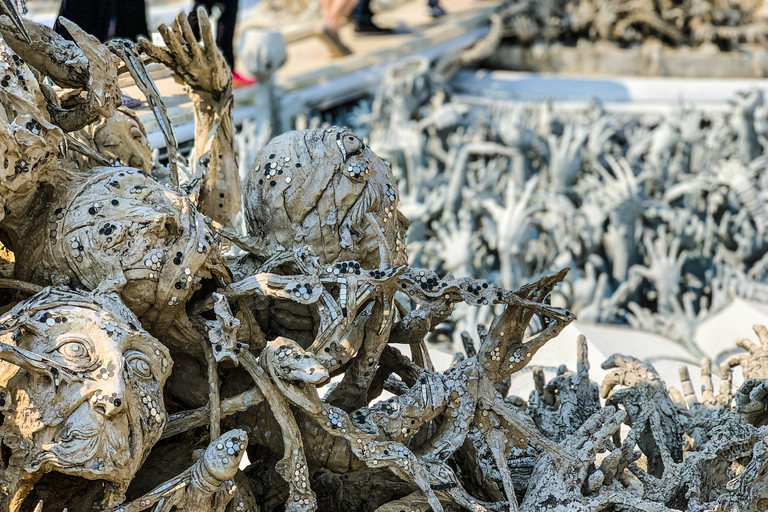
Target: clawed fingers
[
  {"x": 582, "y": 357},
  {"x": 688, "y": 392},
  {"x": 762, "y": 334},
  {"x": 708, "y": 393},
  {"x": 206, "y": 33},
  {"x": 181, "y": 25},
  {"x": 610, "y": 381},
  {"x": 748, "y": 346},
  {"x": 598, "y": 427},
  {"x": 725, "y": 379},
  {"x": 615, "y": 378},
  {"x": 617, "y": 361},
  {"x": 159, "y": 54},
  {"x": 174, "y": 45},
  {"x": 676, "y": 396},
  {"x": 539, "y": 380},
  {"x": 759, "y": 393}
]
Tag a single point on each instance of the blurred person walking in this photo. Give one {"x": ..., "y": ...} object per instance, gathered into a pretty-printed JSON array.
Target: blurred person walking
[
  {"x": 362, "y": 16},
  {"x": 434, "y": 9},
  {"x": 335, "y": 11}
]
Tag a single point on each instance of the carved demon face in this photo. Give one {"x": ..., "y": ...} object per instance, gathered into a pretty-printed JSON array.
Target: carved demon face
[
  {"x": 122, "y": 138},
  {"x": 84, "y": 394},
  {"x": 327, "y": 189}
]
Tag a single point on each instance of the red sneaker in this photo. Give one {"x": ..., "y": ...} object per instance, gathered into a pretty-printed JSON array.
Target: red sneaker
[{"x": 239, "y": 80}]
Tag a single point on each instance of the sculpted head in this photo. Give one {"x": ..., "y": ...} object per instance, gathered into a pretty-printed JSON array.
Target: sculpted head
[
  {"x": 327, "y": 189},
  {"x": 122, "y": 223},
  {"x": 83, "y": 387},
  {"x": 120, "y": 138}
]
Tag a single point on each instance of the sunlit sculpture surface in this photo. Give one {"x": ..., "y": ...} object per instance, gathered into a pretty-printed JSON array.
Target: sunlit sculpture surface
[{"x": 139, "y": 366}]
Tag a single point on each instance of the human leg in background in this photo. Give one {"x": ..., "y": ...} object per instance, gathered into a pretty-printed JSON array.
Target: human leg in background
[
  {"x": 225, "y": 26},
  {"x": 434, "y": 9},
  {"x": 90, "y": 15},
  {"x": 335, "y": 11},
  {"x": 105, "y": 19},
  {"x": 362, "y": 16},
  {"x": 130, "y": 20}
]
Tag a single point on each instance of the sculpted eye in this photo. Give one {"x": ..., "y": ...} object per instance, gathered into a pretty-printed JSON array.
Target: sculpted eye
[
  {"x": 139, "y": 365},
  {"x": 353, "y": 145},
  {"x": 136, "y": 133},
  {"x": 74, "y": 351},
  {"x": 110, "y": 141}
]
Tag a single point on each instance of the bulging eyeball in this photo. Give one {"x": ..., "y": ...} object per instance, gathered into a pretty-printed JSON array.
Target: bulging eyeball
[{"x": 327, "y": 189}]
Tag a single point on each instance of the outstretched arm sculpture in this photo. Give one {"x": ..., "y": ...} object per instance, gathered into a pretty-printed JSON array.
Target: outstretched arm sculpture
[{"x": 209, "y": 85}]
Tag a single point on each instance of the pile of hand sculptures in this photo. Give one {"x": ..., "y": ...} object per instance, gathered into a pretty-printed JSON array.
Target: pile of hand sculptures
[
  {"x": 661, "y": 217},
  {"x": 728, "y": 25},
  {"x": 141, "y": 368}
]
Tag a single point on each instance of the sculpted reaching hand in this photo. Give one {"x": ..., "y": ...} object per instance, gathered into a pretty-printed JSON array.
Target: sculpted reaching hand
[
  {"x": 650, "y": 410},
  {"x": 753, "y": 363},
  {"x": 584, "y": 485},
  {"x": 455, "y": 239},
  {"x": 209, "y": 85},
  {"x": 201, "y": 67},
  {"x": 665, "y": 265},
  {"x": 561, "y": 406},
  {"x": 565, "y": 157}
]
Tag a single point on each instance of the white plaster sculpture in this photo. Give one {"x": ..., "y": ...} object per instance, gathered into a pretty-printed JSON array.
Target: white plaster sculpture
[
  {"x": 148, "y": 391},
  {"x": 628, "y": 23},
  {"x": 661, "y": 219}
]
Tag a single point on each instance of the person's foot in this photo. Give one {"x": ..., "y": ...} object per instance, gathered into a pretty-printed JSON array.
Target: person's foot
[
  {"x": 436, "y": 11},
  {"x": 334, "y": 43},
  {"x": 239, "y": 80},
  {"x": 369, "y": 28}
]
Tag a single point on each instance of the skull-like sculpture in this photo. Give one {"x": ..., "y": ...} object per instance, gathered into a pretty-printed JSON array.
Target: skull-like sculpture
[
  {"x": 327, "y": 189},
  {"x": 122, "y": 224}
]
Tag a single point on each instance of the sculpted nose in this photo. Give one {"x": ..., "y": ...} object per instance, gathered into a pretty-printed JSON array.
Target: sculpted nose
[
  {"x": 109, "y": 399},
  {"x": 136, "y": 161}
]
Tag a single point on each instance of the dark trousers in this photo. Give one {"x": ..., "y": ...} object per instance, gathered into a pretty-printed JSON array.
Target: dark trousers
[
  {"x": 362, "y": 12},
  {"x": 105, "y": 19},
  {"x": 225, "y": 29}
]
